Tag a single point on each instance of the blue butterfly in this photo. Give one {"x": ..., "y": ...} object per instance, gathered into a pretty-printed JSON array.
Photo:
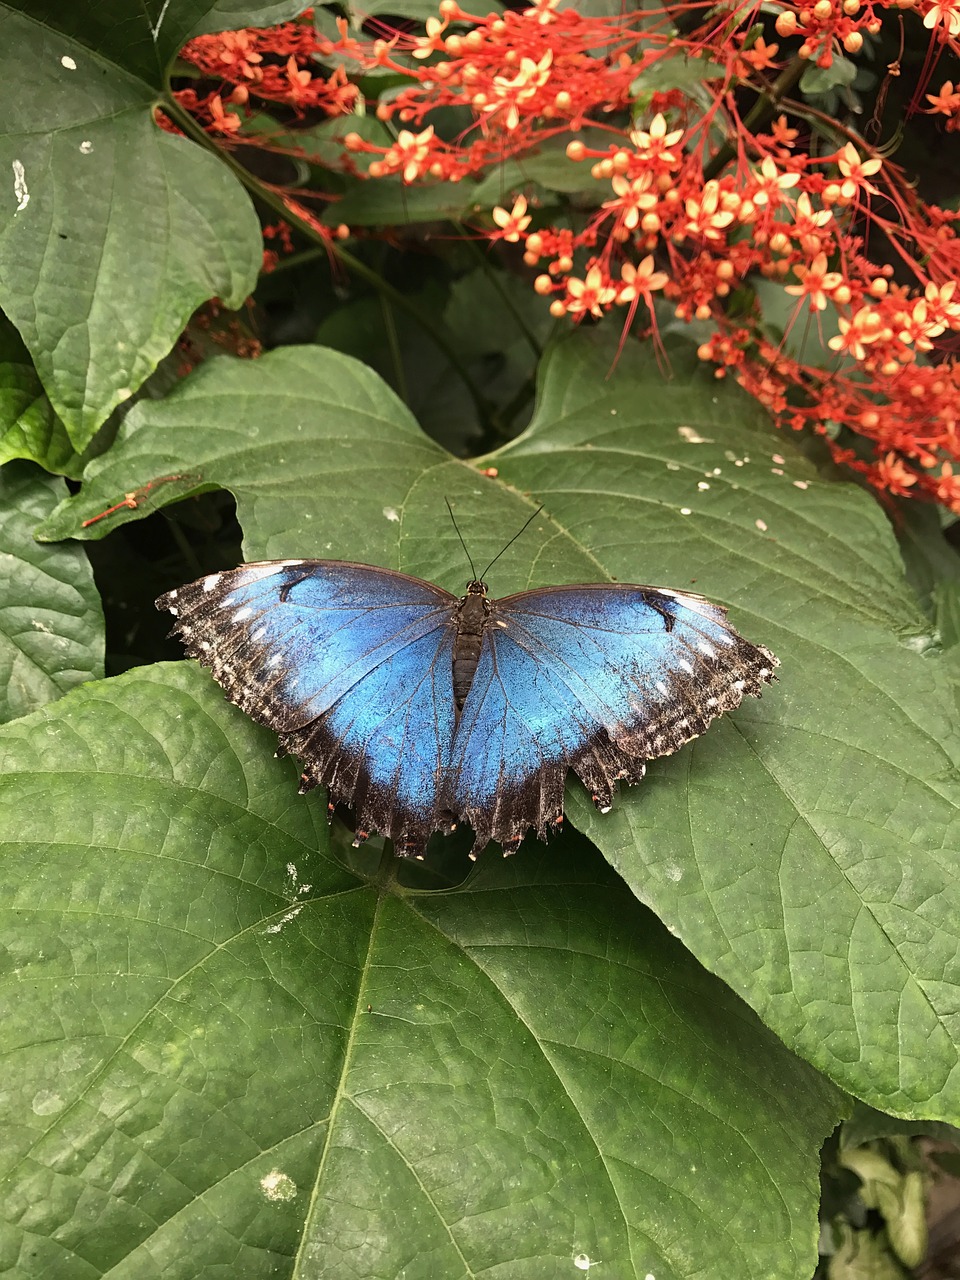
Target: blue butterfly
[{"x": 422, "y": 710}]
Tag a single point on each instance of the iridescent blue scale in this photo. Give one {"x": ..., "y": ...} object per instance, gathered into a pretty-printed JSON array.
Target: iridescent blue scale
[{"x": 354, "y": 666}]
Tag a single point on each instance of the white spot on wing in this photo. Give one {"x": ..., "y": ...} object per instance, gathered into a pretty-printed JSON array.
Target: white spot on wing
[
  {"x": 707, "y": 649},
  {"x": 684, "y": 665},
  {"x": 662, "y": 688},
  {"x": 242, "y": 614},
  {"x": 253, "y": 573},
  {"x": 258, "y": 634},
  {"x": 20, "y": 186},
  {"x": 211, "y": 581},
  {"x": 275, "y": 659},
  {"x": 689, "y": 602}
]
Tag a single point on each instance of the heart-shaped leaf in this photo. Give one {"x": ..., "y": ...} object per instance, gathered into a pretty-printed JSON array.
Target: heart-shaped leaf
[
  {"x": 51, "y": 622},
  {"x": 29, "y": 427},
  {"x": 226, "y": 1053},
  {"x": 802, "y": 847},
  {"x": 111, "y": 231}
]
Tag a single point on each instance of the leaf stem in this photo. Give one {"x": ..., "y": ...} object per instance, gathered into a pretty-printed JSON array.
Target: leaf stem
[
  {"x": 390, "y": 328},
  {"x": 483, "y": 262},
  {"x": 428, "y": 323},
  {"x": 767, "y": 102}
]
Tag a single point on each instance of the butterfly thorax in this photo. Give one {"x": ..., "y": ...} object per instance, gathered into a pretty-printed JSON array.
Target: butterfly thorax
[{"x": 472, "y": 613}]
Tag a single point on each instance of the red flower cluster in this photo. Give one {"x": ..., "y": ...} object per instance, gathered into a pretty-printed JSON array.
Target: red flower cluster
[
  {"x": 788, "y": 218},
  {"x": 276, "y": 65},
  {"x": 699, "y": 203},
  {"x": 946, "y": 103},
  {"x": 524, "y": 76}
]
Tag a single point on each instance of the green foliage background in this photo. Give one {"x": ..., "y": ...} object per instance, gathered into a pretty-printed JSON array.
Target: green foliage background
[{"x": 234, "y": 1045}]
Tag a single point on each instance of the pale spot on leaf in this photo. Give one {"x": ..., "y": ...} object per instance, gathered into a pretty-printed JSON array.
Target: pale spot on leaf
[
  {"x": 20, "y": 186},
  {"x": 278, "y": 1186},
  {"x": 692, "y": 436},
  {"x": 47, "y": 1103}
]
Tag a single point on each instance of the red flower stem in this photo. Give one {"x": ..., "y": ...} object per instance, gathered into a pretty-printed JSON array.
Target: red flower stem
[{"x": 294, "y": 261}]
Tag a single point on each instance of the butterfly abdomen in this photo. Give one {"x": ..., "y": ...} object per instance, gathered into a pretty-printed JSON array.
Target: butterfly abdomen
[{"x": 472, "y": 613}]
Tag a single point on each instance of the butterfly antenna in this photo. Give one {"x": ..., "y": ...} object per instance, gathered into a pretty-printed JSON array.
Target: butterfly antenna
[
  {"x": 462, "y": 543},
  {"x": 523, "y": 529}
]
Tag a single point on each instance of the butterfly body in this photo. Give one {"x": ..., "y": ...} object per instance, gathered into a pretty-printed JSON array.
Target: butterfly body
[
  {"x": 472, "y": 616},
  {"x": 422, "y": 710}
]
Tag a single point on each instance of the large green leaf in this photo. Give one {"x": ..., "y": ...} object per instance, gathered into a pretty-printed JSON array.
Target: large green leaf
[
  {"x": 112, "y": 231},
  {"x": 804, "y": 847},
  {"x": 29, "y": 427},
  {"x": 225, "y": 1053},
  {"x": 51, "y": 623}
]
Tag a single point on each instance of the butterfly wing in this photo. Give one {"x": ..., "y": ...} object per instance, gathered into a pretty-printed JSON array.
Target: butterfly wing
[
  {"x": 351, "y": 665},
  {"x": 598, "y": 679}
]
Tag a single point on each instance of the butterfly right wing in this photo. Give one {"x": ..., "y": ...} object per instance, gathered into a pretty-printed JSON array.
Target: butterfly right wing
[
  {"x": 351, "y": 665},
  {"x": 598, "y": 678}
]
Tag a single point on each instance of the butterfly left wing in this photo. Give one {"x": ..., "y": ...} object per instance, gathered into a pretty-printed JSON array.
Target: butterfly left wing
[
  {"x": 597, "y": 679},
  {"x": 351, "y": 665}
]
